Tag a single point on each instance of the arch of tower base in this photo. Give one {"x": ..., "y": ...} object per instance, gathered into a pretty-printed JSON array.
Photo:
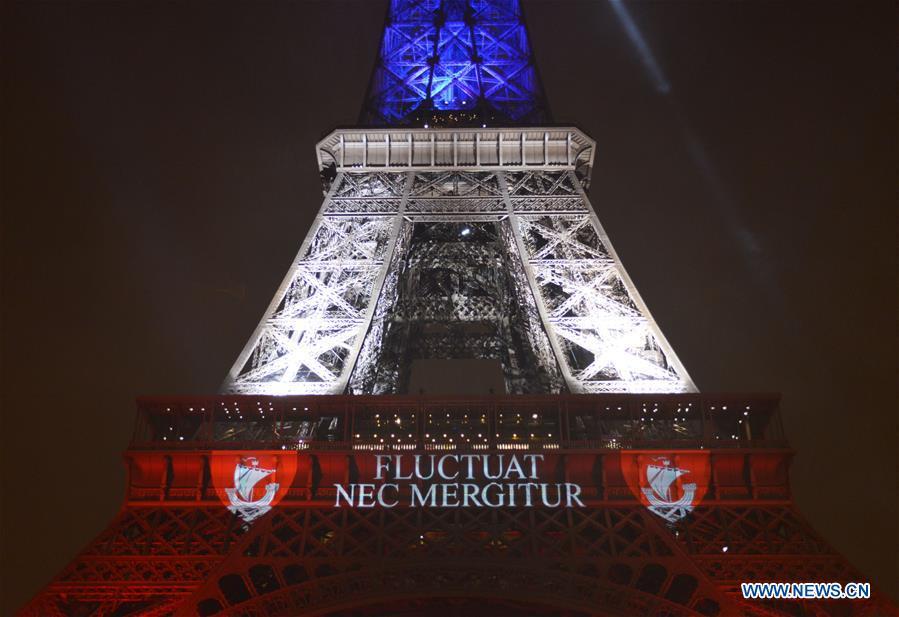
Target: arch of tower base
[
  {"x": 454, "y": 588},
  {"x": 187, "y": 543},
  {"x": 455, "y": 227},
  {"x": 614, "y": 561}
]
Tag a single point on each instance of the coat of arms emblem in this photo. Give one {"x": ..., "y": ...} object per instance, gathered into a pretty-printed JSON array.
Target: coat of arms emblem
[
  {"x": 669, "y": 484},
  {"x": 663, "y": 488},
  {"x": 247, "y": 474}
]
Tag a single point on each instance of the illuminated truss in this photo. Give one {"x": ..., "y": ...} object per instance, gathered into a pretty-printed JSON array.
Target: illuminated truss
[
  {"x": 457, "y": 244},
  {"x": 176, "y": 549},
  {"x": 316, "y": 318},
  {"x": 452, "y": 243},
  {"x": 619, "y": 559},
  {"x": 467, "y": 56}
]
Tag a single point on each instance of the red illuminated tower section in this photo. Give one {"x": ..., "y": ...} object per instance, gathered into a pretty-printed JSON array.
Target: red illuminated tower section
[
  {"x": 455, "y": 226},
  {"x": 181, "y": 547}
]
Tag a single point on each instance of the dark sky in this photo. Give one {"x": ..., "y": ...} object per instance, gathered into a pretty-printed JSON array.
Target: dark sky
[{"x": 159, "y": 176}]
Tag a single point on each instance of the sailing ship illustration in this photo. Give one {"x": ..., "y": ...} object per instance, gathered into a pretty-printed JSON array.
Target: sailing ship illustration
[
  {"x": 661, "y": 476},
  {"x": 247, "y": 474}
]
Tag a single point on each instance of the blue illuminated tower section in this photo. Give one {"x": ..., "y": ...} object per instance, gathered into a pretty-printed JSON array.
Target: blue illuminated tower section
[
  {"x": 455, "y": 62},
  {"x": 454, "y": 226}
]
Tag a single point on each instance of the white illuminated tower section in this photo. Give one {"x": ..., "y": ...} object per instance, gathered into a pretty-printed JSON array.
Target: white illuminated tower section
[{"x": 455, "y": 224}]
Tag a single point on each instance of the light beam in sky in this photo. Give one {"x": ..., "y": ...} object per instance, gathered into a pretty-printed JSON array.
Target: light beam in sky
[
  {"x": 659, "y": 81},
  {"x": 728, "y": 207}
]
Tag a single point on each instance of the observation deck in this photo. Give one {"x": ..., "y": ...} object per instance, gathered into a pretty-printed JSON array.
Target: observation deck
[
  {"x": 581, "y": 439},
  {"x": 429, "y": 423},
  {"x": 399, "y": 149}
]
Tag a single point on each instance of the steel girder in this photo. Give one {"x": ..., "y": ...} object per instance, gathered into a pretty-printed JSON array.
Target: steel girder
[
  {"x": 618, "y": 560},
  {"x": 463, "y": 60},
  {"x": 177, "y": 549},
  {"x": 519, "y": 252}
]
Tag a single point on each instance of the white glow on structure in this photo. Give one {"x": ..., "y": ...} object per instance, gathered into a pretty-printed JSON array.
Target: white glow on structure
[{"x": 595, "y": 328}]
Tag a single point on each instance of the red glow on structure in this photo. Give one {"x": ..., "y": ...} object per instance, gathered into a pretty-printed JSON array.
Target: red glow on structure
[
  {"x": 663, "y": 479},
  {"x": 245, "y": 475}
]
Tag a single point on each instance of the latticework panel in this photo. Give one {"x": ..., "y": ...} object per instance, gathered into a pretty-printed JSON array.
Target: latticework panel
[
  {"x": 455, "y": 184},
  {"x": 455, "y": 193},
  {"x": 470, "y": 57},
  {"x": 751, "y": 531},
  {"x": 306, "y": 343},
  {"x": 144, "y": 563},
  {"x": 563, "y": 558},
  {"x": 735, "y": 545},
  {"x": 612, "y": 561},
  {"x": 518, "y": 252},
  {"x": 460, "y": 292},
  {"x": 166, "y": 530},
  {"x": 604, "y": 336}
]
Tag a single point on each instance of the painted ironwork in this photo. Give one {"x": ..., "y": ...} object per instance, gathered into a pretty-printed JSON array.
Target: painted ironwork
[
  {"x": 541, "y": 422},
  {"x": 454, "y": 61},
  {"x": 453, "y": 242},
  {"x": 502, "y": 254},
  {"x": 510, "y": 148},
  {"x": 176, "y": 549}
]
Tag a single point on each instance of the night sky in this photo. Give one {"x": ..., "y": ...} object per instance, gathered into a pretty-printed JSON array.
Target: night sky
[{"x": 159, "y": 176}]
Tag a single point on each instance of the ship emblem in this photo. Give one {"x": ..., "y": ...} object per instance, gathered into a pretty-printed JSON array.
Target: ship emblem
[
  {"x": 247, "y": 474},
  {"x": 662, "y": 489}
]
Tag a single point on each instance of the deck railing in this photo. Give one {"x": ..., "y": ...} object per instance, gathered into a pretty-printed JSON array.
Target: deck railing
[{"x": 400, "y": 423}]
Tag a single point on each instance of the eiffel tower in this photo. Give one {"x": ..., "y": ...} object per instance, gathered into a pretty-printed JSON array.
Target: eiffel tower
[{"x": 455, "y": 225}]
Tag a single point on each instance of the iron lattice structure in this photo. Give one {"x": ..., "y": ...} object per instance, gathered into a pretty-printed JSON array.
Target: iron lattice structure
[
  {"x": 457, "y": 243},
  {"x": 442, "y": 237},
  {"x": 456, "y": 62},
  {"x": 176, "y": 550}
]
